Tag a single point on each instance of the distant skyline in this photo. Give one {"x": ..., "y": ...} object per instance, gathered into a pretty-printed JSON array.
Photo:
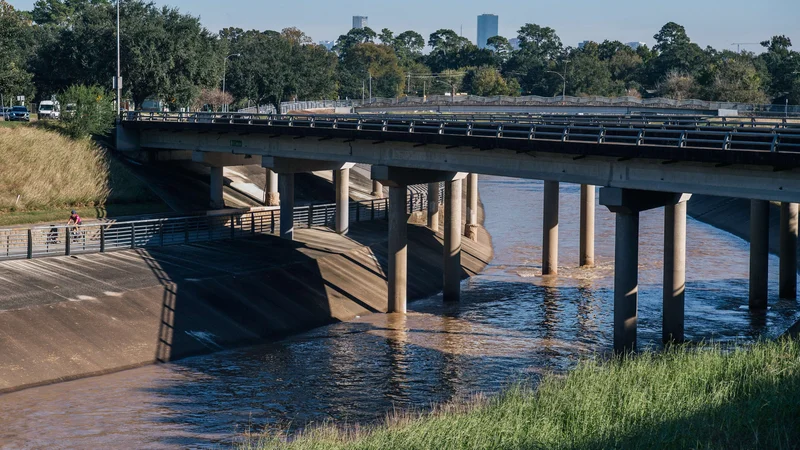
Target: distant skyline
[{"x": 707, "y": 23}]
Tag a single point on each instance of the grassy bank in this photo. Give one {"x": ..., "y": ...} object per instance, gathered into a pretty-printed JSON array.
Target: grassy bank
[
  {"x": 45, "y": 174},
  {"x": 683, "y": 398}
]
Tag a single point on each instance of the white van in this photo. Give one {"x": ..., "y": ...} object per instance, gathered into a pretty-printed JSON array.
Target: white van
[{"x": 49, "y": 109}]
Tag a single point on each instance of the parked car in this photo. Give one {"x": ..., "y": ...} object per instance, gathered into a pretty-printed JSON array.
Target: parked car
[
  {"x": 4, "y": 110},
  {"x": 49, "y": 109},
  {"x": 19, "y": 113}
]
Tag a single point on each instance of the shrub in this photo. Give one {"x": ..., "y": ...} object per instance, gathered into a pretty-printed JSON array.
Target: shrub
[{"x": 93, "y": 112}]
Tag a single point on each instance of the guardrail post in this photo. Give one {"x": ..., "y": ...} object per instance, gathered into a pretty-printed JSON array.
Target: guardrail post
[
  {"x": 233, "y": 227},
  {"x": 102, "y": 239},
  {"x": 68, "y": 243},
  {"x": 272, "y": 220},
  {"x": 310, "y": 216},
  {"x": 372, "y": 211},
  {"x": 252, "y": 223},
  {"x": 161, "y": 233},
  {"x": 30, "y": 243},
  {"x": 133, "y": 235}
]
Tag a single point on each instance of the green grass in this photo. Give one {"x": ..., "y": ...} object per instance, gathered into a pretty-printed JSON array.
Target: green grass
[
  {"x": 58, "y": 216},
  {"x": 683, "y": 398}
]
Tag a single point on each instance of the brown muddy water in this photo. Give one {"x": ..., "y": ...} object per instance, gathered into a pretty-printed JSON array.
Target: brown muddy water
[{"x": 512, "y": 324}]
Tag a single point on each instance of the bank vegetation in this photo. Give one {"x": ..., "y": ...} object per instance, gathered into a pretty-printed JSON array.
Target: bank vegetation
[{"x": 726, "y": 398}]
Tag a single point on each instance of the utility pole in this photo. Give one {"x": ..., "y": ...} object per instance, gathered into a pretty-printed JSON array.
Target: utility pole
[
  {"x": 363, "y": 90},
  {"x": 563, "y": 77},
  {"x": 370, "y": 88},
  {"x": 224, "y": 74}
]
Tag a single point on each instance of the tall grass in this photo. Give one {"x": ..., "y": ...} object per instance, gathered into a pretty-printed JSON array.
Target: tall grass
[
  {"x": 42, "y": 169},
  {"x": 683, "y": 398}
]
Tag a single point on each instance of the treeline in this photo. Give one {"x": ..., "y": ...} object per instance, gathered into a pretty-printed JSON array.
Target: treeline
[{"x": 170, "y": 56}]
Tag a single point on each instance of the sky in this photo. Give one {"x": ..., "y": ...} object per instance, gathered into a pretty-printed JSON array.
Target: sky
[{"x": 714, "y": 23}]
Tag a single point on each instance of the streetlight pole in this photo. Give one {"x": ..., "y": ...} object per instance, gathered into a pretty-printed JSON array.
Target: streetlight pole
[
  {"x": 370, "y": 88},
  {"x": 224, "y": 74},
  {"x": 119, "y": 70},
  {"x": 563, "y": 77}
]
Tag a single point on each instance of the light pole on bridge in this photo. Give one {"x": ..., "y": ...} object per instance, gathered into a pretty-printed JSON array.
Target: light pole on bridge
[
  {"x": 224, "y": 70},
  {"x": 563, "y": 77}
]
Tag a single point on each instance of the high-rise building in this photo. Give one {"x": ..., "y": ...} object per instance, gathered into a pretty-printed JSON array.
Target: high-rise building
[
  {"x": 487, "y": 28},
  {"x": 360, "y": 21},
  {"x": 635, "y": 45}
]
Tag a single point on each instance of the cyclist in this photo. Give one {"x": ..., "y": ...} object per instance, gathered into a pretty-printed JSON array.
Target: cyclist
[{"x": 76, "y": 221}]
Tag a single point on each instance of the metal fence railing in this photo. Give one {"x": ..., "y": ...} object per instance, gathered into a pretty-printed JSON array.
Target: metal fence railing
[
  {"x": 721, "y": 136},
  {"x": 108, "y": 236}
]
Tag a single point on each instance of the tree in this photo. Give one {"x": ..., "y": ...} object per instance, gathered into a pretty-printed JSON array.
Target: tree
[
  {"x": 386, "y": 37},
  {"x": 676, "y": 53},
  {"x": 671, "y": 35},
  {"x": 354, "y": 37},
  {"x": 15, "y": 36},
  {"x": 541, "y": 42},
  {"x": 735, "y": 79},
  {"x": 501, "y": 47},
  {"x": 93, "y": 114},
  {"x": 486, "y": 81},
  {"x": 447, "y": 50},
  {"x": 365, "y": 60},
  {"x": 679, "y": 86}
]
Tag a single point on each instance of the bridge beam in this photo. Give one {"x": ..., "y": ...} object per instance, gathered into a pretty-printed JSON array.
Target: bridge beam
[
  {"x": 398, "y": 250},
  {"x": 286, "y": 189},
  {"x": 550, "y": 229},
  {"x": 452, "y": 241},
  {"x": 404, "y": 176},
  {"x": 627, "y": 204},
  {"x": 342, "y": 181},
  {"x": 672, "y": 326},
  {"x": 471, "y": 227},
  {"x": 434, "y": 195},
  {"x": 788, "y": 251},
  {"x": 271, "y": 195},
  {"x": 759, "y": 254},
  {"x": 294, "y": 165},
  {"x": 225, "y": 159},
  {"x": 586, "y": 257}
]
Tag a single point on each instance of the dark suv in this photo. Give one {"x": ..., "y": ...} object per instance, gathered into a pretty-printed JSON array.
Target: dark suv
[{"x": 19, "y": 113}]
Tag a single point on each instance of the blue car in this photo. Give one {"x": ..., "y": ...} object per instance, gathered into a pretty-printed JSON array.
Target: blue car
[{"x": 19, "y": 113}]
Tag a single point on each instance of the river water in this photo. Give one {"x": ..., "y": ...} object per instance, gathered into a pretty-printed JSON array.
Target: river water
[{"x": 512, "y": 324}]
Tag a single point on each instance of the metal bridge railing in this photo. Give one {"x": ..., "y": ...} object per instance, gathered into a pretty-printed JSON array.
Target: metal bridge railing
[
  {"x": 109, "y": 236},
  {"x": 728, "y": 136}
]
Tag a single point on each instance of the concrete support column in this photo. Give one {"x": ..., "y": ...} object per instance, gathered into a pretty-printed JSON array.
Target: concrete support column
[
  {"x": 271, "y": 195},
  {"x": 586, "y": 256},
  {"x": 550, "y": 231},
  {"x": 674, "y": 272},
  {"x": 377, "y": 189},
  {"x": 759, "y": 254},
  {"x": 788, "y": 251},
  {"x": 286, "y": 189},
  {"x": 626, "y": 281},
  {"x": 434, "y": 195},
  {"x": 452, "y": 241},
  {"x": 342, "y": 180},
  {"x": 216, "y": 201},
  {"x": 471, "y": 227},
  {"x": 398, "y": 250}
]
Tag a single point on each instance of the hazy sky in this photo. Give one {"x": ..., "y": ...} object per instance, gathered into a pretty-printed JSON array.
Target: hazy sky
[{"x": 717, "y": 23}]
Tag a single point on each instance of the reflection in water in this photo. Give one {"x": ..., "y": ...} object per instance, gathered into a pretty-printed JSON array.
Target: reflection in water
[{"x": 511, "y": 324}]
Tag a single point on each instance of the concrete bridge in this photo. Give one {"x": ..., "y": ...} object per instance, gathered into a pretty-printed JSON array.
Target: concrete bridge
[{"x": 638, "y": 166}]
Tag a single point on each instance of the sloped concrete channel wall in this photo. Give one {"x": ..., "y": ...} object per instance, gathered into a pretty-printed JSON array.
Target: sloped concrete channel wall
[{"x": 70, "y": 317}]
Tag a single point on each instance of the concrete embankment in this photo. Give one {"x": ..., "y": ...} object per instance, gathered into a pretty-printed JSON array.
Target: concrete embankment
[{"x": 71, "y": 317}]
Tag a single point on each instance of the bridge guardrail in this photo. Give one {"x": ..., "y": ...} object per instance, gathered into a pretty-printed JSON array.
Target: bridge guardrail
[
  {"x": 720, "y": 137},
  {"x": 60, "y": 240}
]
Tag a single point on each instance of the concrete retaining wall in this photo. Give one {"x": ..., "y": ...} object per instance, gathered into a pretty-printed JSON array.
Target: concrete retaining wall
[{"x": 100, "y": 313}]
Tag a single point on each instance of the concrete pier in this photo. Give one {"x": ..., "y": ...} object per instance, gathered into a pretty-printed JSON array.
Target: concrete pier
[
  {"x": 398, "y": 250},
  {"x": 759, "y": 254},
  {"x": 377, "y": 189},
  {"x": 342, "y": 180},
  {"x": 216, "y": 201},
  {"x": 550, "y": 229},
  {"x": 452, "y": 241},
  {"x": 626, "y": 281},
  {"x": 434, "y": 195},
  {"x": 788, "y": 251},
  {"x": 271, "y": 195},
  {"x": 674, "y": 272},
  {"x": 586, "y": 257},
  {"x": 286, "y": 189},
  {"x": 471, "y": 227}
]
